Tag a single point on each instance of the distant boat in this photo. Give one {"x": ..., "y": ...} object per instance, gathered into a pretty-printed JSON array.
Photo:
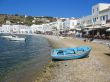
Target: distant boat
[
  {"x": 70, "y": 53},
  {"x": 16, "y": 38},
  {"x": 7, "y": 36},
  {"x": 13, "y": 38}
]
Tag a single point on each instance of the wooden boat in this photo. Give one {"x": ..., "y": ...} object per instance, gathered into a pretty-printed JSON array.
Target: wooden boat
[{"x": 70, "y": 53}]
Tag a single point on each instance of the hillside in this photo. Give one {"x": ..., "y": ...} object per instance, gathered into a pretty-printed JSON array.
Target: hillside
[{"x": 25, "y": 20}]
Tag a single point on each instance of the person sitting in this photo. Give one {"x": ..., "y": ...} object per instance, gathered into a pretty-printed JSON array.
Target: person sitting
[
  {"x": 86, "y": 39},
  {"x": 91, "y": 39}
]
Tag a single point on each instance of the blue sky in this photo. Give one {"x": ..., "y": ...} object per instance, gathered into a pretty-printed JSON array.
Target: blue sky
[{"x": 55, "y": 8}]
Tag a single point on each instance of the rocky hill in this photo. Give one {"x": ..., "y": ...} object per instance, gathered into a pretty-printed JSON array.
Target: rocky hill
[{"x": 25, "y": 20}]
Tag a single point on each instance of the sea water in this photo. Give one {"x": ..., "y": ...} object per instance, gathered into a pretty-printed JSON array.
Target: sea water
[{"x": 21, "y": 61}]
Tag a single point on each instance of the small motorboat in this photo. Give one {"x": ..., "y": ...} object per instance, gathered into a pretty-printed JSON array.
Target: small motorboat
[
  {"x": 7, "y": 36},
  {"x": 70, "y": 53},
  {"x": 16, "y": 38}
]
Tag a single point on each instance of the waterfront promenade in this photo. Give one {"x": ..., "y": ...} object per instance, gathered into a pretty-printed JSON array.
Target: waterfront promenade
[{"x": 95, "y": 68}]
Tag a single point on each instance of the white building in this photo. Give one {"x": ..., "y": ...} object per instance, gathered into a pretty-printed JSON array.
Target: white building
[
  {"x": 99, "y": 17},
  {"x": 66, "y": 23},
  {"x": 86, "y": 21},
  {"x": 46, "y": 27},
  {"x": 101, "y": 13},
  {"x": 36, "y": 28},
  {"x": 73, "y": 23},
  {"x": 53, "y": 26},
  {"x": 21, "y": 29},
  {"x": 60, "y": 23},
  {"x": 5, "y": 29},
  {"x": 42, "y": 28}
]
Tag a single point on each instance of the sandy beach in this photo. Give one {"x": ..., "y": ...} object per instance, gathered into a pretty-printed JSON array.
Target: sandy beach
[{"x": 95, "y": 68}]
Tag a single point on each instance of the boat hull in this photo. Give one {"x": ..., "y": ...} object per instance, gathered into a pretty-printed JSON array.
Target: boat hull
[
  {"x": 13, "y": 38},
  {"x": 68, "y": 55},
  {"x": 17, "y": 39},
  {"x": 7, "y": 37}
]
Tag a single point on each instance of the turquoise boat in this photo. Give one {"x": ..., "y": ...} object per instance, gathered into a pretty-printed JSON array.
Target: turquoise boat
[{"x": 70, "y": 53}]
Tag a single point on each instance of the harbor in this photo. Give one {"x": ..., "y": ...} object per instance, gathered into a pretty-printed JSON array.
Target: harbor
[
  {"x": 97, "y": 64},
  {"x": 55, "y": 41},
  {"x": 18, "y": 57}
]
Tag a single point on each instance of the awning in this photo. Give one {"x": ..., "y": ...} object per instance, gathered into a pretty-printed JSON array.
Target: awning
[
  {"x": 96, "y": 27},
  {"x": 78, "y": 28},
  {"x": 93, "y": 27},
  {"x": 107, "y": 25},
  {"x": 88, "y": 30}
]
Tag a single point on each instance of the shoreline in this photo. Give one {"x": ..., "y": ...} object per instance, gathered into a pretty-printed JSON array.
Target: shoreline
[
  {"x": 97, "y": 65},
  {"x": 27, "y": 71},
  {"x": 95, "y": 68}
]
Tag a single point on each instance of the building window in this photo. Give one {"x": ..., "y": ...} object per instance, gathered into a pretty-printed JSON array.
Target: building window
[
  {"x": 106, "y": 17},
  {"x": 73, "y": 24},
  {"x": 97, "y": 9},
  {"x": 97, "y": 17},
  {"x": 94, "y": 19},
  {"x": 78, "y": 23},
  {"x": 93, "y": 10},
  {"x": 101, "y": 18}
]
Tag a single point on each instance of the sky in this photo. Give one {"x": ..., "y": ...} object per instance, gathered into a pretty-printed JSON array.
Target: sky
[{"x": 54, "y": 8}]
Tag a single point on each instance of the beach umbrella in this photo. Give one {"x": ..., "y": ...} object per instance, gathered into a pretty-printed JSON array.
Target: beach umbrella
[{"x": 108, "y": 30}]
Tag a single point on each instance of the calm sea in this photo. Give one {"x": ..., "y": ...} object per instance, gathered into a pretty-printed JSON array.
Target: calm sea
[{"x": 21, "y": 61}]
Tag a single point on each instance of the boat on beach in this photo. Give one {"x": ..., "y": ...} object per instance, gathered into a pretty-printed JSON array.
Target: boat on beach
[{"x": 70, "y": 53}]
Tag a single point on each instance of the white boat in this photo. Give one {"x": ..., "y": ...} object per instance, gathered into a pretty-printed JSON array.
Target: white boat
[
  {"x": 7, "y": 36},
  {"x": 16, "y": 38}
]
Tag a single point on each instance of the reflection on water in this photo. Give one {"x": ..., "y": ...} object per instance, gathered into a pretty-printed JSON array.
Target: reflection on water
[{"x": 18, "y": 57}]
